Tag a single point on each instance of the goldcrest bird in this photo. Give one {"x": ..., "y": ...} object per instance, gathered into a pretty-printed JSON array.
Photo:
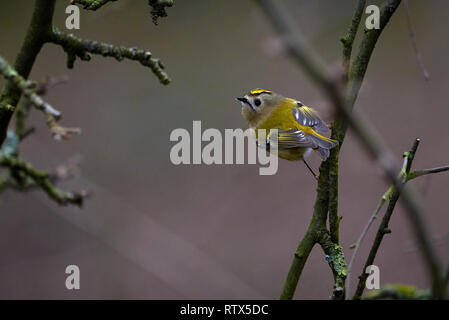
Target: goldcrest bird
[{"x": 300, "y": 128}]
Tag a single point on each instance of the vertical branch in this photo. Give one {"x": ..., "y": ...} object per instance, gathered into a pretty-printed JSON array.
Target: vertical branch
[
  {"x": 299, "y": 260},
  {"x": 339, "y": 127},
  {"x": 318, "y": 222},
  {"x": 327, "y": 192},
  {"x": 348, "y": 39},
  {"x": 393, "y": 195},
  {"x": 38, "y": 30}
]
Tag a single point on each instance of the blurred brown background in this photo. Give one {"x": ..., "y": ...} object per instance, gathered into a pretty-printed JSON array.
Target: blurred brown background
[{"x": 155, "y": 230}]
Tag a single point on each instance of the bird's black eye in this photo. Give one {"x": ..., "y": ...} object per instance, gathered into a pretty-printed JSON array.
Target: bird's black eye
[{"x": 257, "y": 102}]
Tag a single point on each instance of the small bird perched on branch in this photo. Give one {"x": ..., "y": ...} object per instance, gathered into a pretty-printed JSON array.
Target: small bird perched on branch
[{"x": 300, "y": 129}]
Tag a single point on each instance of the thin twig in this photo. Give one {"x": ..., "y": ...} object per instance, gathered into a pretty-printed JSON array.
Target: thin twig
[
  {"x": 28, "y": 89},
  {"x": 23, "y": 109},
  {"x": 362, "y": 236},
  {"x": 43, "y": 180},
  {"x": 413, "y": 40},
  {"x": 419, "y": 173},
  {"x": 21, "y": 171},
  {"x": 437, "y": 284}
]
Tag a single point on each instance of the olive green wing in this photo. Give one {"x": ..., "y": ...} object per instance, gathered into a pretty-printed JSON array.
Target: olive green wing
[
  {"x": 288, "y": 139},
  {"x": 294, "y": 138}
]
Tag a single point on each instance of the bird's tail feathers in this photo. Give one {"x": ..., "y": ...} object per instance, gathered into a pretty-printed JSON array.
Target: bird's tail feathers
[
  {"x": 323, "y": 145},
  {"x": 323, "y": 142}
]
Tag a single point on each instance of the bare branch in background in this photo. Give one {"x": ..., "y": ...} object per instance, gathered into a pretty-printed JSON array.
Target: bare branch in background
[
  {"x": 413, "y": 40},
  {"x": 77, "y": 47}
]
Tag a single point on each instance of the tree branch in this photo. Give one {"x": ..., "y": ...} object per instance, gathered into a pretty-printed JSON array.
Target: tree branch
[
  {"x": 42, "y": 179},
  {"x": 77, "y": 47},
  {"x": 41, "y": 31},
  {"x": 39, "y": 28},
  {"x": 21, "y": 171},
  {"x": 376, "y": 149},
  {"x": 23, "y": 108},
  {"x": 28, "y": 89},
  {"x": 157, "y": 11},
  {"x": 394, "y": 194},
  {"x": 387, "y": 195},
  {"x": 419, "y": 173},
  {"x": 327, "y": 190},
  {"x": 348, "y": 39},
  {"x": 91, "y": 4},
  {"x": 158, "y": 8},
  {"x": 336, "y": 259}
]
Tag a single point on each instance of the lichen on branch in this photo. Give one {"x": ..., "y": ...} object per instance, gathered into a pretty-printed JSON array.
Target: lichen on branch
[
  {"x": 28, "y": 89},
  {"x": 158, "y": 7},
  {"x": 41, "y": 31},
  {"x": 158, "y": 10},
  {"x": 30, "y": 92},
  {"x": 82, "y": 48},
  {"x": 91, "y": 4},
  {"x": 22, "y": 175}
]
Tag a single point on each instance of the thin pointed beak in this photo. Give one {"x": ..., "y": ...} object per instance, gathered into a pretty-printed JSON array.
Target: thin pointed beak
[{"x": 244, "y": 100}]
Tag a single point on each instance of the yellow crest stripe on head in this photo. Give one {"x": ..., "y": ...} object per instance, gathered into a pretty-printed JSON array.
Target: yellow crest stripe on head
[{"x": 259, "y": 91}]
